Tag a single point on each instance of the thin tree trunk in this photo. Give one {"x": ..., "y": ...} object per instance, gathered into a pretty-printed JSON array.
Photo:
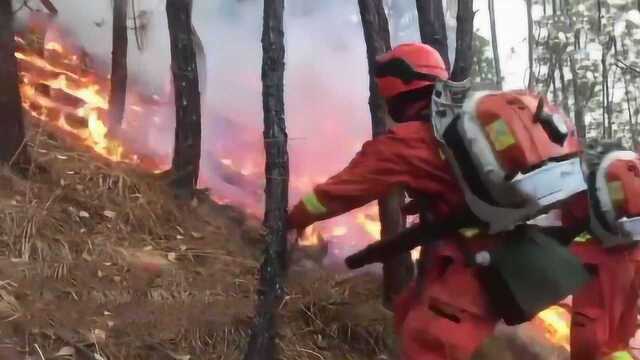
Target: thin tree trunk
[
  {"x": 262, "y": 342},
  {"x": 433, "y": 30},
  {"x": 531, "y": 81},
  {"x": 605, "y": 89},
  {"x": 494, "y": 44},
  {"x": 376, "y": 36},
  {"x": 12, "y": 136},
  {"x": 563, "y": 85},
  {"x": 578, "y": 102},
  {"x": 49, "y": 6},
  {"x": 398, "y": 272},
  {"x": 464, "y": 41},
  {"x": 186, "y": 153},
  {"x": 599, "y": 5},
  {"x": 118, "y": 91},
  {"x": 554, "y": 83}
]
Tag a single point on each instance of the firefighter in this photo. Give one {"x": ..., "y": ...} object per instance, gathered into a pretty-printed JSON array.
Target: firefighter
[
  {"x": 604, "y": 313},
  {"x": 452, "y": 315}
]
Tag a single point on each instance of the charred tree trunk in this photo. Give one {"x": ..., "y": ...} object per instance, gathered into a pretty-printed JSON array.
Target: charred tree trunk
[
  {"x": 494, "y": 44},
  {"x": 397, "y": 273},
  {"x": 12, "y": 136},
  {"x": 118, "y": 91},
  {"x": 262, "y": 343},
  {"x": 531, "y": 80},
  {"x": 432, "y": 25},
  {"x": 464, "y": 41},
  {"x": 186, "y": 152},
  {"x": 376, "y": 36}
]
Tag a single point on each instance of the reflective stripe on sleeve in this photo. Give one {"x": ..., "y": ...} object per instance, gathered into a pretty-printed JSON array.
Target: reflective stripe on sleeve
[
  {"x": 313, "y": 205},
  {"x": 619, "y": 355}
]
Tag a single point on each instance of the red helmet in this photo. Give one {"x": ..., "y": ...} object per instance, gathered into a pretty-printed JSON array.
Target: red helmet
[
  {"x": 408, "y": 67},
  {"x": 614, "y": 192}
]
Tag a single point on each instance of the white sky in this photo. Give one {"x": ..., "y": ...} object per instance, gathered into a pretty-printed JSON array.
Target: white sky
[
  {"x": 511, "y": 28},
  {"x": 510, "y": 14}
]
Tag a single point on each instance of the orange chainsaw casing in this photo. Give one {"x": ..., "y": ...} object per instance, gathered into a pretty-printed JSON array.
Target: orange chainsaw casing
[{"x": 532, "y": 146}]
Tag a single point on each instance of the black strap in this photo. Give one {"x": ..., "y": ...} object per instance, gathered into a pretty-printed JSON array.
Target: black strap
[{"x": 400, "y": 69}]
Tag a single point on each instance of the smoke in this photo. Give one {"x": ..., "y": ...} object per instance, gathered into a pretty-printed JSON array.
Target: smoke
[{"x": 326, "y": 91}]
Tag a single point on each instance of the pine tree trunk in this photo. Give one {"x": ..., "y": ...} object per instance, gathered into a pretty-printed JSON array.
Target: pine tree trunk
[
  {"x": 494, "y": 44},
  {"x": 531, "y": 81},
  {"x": 12, "y": 137},
  {"x": 433, "y": 30},
  {"x": 118, "y": 91},
  {"x": 398, "y": 272},
  {"x": 599, "y": 5},
  {"x": 563, "y": 86},
  {"x": 262, "y": 342},
  {"x": 186, "y": 152},
  {"x": 464, "y": 41}
]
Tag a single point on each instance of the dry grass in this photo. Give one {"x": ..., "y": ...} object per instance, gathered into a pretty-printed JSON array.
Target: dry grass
[
  {"x": 98, "y": 258},
  {"x": 98, "y": 261}
]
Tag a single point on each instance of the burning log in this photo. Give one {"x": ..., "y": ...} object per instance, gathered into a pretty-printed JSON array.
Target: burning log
[
  {"x": 273, "y": 269},
  {"x": 186, "y": 153},
  {"x": 118, "y": 90},
  {"x": 12, "y": 137},
  {"x": 433, "y": 30},
  {"x": 397, "y": 272}
]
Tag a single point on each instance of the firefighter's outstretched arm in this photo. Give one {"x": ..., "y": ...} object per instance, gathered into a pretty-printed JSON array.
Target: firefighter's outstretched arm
[{"x": 406, "y": 156}]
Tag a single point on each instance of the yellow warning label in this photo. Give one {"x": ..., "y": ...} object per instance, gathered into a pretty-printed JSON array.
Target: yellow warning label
[{"x": 500, "y": 135}]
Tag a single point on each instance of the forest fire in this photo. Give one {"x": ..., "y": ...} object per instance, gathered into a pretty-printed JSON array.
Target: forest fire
[
  {"x": 56, "y": 92},
  {"x": 61, "y": 92}
]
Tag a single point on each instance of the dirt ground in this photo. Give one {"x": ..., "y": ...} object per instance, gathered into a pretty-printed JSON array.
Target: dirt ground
[{"x": 97, "y": 261}]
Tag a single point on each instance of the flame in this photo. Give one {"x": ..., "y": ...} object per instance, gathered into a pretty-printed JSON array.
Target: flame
[
  {"x": 82, "y": 97},
  {"x": 311, "y": 236},
  {"x": 370, "y": 224},
  {"x": 556, "y": 322},
  {"x": 54, "y": 46}
]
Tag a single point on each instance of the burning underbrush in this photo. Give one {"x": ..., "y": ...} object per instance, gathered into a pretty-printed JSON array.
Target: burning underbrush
[{"x": 96, "y": 257}]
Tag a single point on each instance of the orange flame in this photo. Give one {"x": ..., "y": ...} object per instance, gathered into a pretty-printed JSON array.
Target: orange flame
[{"x": 556, "y": 322}]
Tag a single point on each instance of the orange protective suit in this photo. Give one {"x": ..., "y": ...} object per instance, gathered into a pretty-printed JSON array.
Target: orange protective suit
[
  {"x": 451, "y": 317},
  {"x": 604, "y": 312}
]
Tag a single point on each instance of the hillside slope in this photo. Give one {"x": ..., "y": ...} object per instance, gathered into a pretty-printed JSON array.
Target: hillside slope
[{"x": 96, "y": 257}]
